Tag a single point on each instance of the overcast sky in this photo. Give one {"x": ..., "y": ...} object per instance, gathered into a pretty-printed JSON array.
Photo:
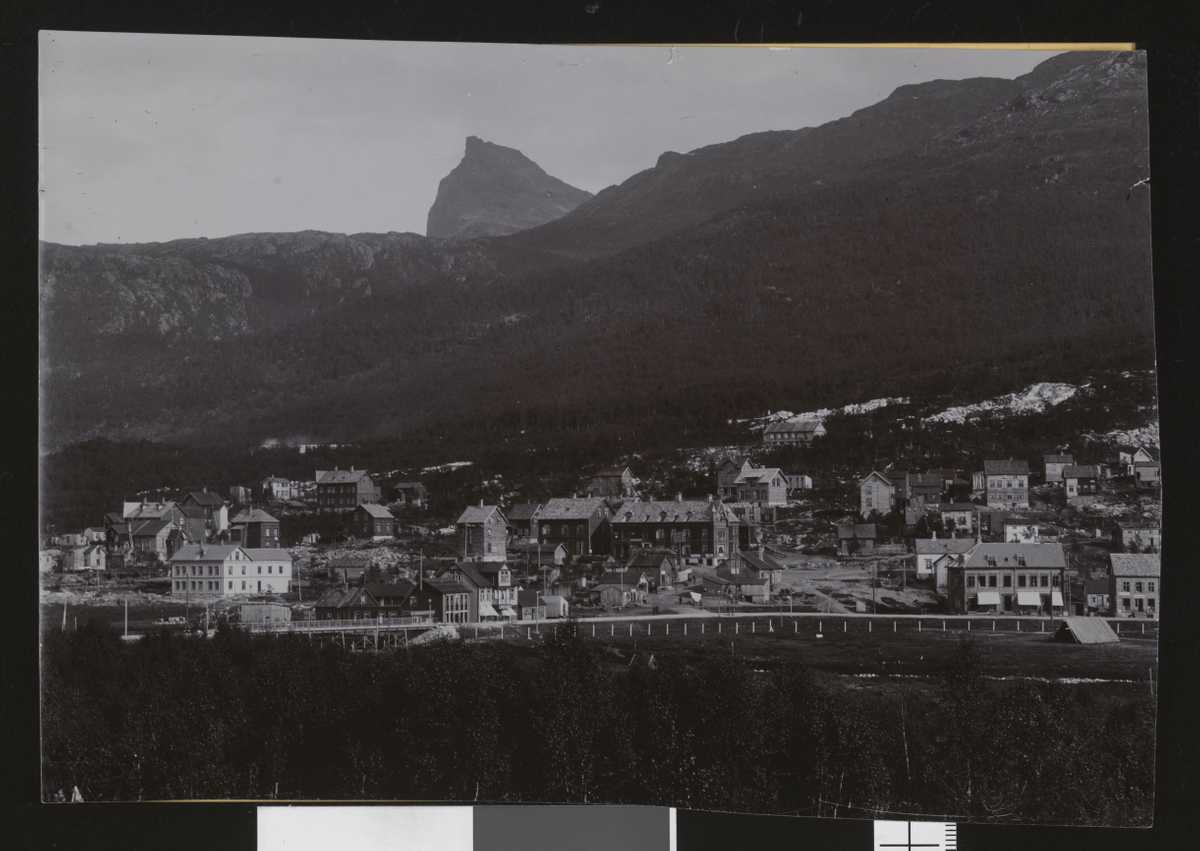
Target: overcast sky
[{"x": 156, "y": 137}]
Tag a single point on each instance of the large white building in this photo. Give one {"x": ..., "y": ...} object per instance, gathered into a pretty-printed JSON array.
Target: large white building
[{"x": 211, "y": 570}]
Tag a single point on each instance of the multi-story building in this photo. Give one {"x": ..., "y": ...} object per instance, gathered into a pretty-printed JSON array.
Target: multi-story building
[
  {"x": 412, "y": 494},
  {"x": 482, "y": 533},
  {"x": 762, "y": 485},
  {"x": 216, "y": 513},
  {"x": 613, "y": 482},
  {"x": 253, "y": 527},
  {"x": 1135, "y": 584},
  {"x": 277, "y": 489},
  {"x": 449, "y": 599},
  {"x": 932, "y": 552},
  {"x": 228, "y": 570},
  {"x": 373, "y": 521},
  {"x": 491, "y": 582},
  {"x": 343, "y": 490},
  {"x": 958, "y": 519},
  {"x": 522, "y": 520},
  {"x": 1054, "y": 463},
  {"x": 1015, "y": 578},
  {"x": 1006, "y": 483},
  {"x": 579, "y": 524},
  {"x": 1082, "y": 483},
  {"x": 704, "y": 528},
  {"x": 793, "y": 433},
  {"x": 876, "y": 493}
]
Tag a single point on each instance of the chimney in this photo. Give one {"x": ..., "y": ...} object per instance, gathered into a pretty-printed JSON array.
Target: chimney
[
  {"x": 679, "y": 497},
  {"x": 481, "y": 502}
]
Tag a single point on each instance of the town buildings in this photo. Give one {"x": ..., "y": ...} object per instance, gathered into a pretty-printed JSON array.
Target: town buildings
[
  {"x": 620, "y": 588},
  {"x": 856, "y": 538},
  {"x": 793, "y": 433},
  {"x": 522, "y": 518},
  {"x": 876, "y": 494},
  {"x": 277, "y": 489},
  {"x": 253, "y": 527},
  {"x": 1053, "y": 464},
  {"x": 762, "y": 485},
  {"x": 482, "y": 532},
  {"x": 613, "y": 482},
  {"x": 958, "y": 519},
  {"x": 1006, "y": 483},
  {"x": 412, "y": 494},
  {"x": 703, "y": 528},
  {"x": 659, "y": 564},
  {"x": 1130, "y": 456},
  {"x": 798, "y": 482},
  {"x": 449, "y": 600},
  {"x": 342, "y": 490},
  {"x": 491, "y": 584},
  {"x": 932, "y": 552},
  {"x": 373, "y": 521},
  {"x": 86, "y": 557},
  {"x": 1081, "y": 483},
  {"x": 216, "y": 513},
  {"x": 227, "y": 570},
  {"x": 1013, "y": 578},
  {"x": 579, "y": 524},
  {"x": 1135, "y": 584},
  {"x": 1137, "y": 537}
]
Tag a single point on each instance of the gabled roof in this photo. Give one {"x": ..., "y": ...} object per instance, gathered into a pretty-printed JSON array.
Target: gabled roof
[
  {"x": 932, "y": 480},
  {"x": 957, "y": 506},
  {"x": 1008, "y": 555},
  {"x": 340, "y": 477},
  {"x": 375, "y": 510},
  {"x": 793, "y": 426},
  {"x": 193, "y": 512},
  {"x": 208, "y": 499},
  {"x": 528, "y": 598},
  {"x": 205, "y": 552},
  {"x": 627, "y": 578},
  {"x": 1136, "y": 564},
  {"x": 875, "y": 474},
  {"x": 1081, "y": 471},
  {"x": 267, "y": 554},
  {"x": 754, "y": 475},
  {"x": 252, "y": 515},
  {"x": 1006, "y": 467},
  {"x": 1058, "y": 458},
  {"x": 760, "y": 563},
  {"x": 940, "y": 546},
  {"x": 1152, "y": 451},
  {"x": 650, "y": 559},
  {"x": 563, "y": 508},
  {"x": 612, "y": 472},
  {"x": 479, "y": 514},
  {"x": 673, "y": 511},
  {"x": 340, "y": 598},
  {"x": 471, "y": 573},
  {"x": 142, "y": 526},
  {"x": 522, "y": 511},
  {"x": 399, "y": 590}
]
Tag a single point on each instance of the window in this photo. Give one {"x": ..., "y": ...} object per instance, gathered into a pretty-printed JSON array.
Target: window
[
  {"x": 231, "y": 585},
  {"x": 1125, "y": 603},
  {"x": 1045, "y": 581},
  {"x": 1125, "y": 585},
  {"x": 260, "y": 570},
  {"x": 970, "y": 581},
  {"x": 1150, "y": 586},
  {"x": 1020, "y": 580},
  {"x": 992, "y": 581},
  {"x": 1137, "y": 587},
  {"x": 243, "y": 584},
  {"x": 1007, "y": 581}
]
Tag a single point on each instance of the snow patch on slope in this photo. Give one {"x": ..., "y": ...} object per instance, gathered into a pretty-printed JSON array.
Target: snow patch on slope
[
  {"x": 821, "y": 414},
  {"x": 1032, "y": 400}
]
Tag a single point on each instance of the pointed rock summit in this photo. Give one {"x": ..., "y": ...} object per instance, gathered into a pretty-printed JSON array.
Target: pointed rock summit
[{"x": 496, "y": 191}]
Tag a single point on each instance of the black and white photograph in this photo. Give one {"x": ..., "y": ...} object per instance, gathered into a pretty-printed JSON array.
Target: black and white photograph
[{"x": 749, "y": 429}]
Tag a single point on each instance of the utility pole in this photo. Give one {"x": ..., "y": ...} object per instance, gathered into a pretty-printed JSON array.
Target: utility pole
[{"x": 874, "y": 582}]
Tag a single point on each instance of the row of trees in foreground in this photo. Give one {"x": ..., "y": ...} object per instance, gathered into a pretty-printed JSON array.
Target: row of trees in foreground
[{"x": 245, "y": 716}]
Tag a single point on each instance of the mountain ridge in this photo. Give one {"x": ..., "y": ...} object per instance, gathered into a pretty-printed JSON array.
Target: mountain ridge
[{"x": 891, "y": 259}]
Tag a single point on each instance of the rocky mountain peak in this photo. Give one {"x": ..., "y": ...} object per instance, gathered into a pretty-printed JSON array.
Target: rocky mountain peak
[{"x": 495, "y": 191}]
